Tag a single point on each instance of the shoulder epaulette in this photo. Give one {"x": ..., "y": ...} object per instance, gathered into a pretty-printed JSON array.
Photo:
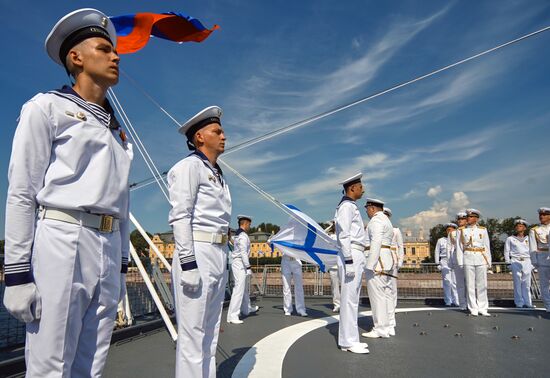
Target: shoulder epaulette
[
  {"x": 461, "y": 228},
  {"x": 482, "y": 227},
  {"x": 535, "y": 227}
]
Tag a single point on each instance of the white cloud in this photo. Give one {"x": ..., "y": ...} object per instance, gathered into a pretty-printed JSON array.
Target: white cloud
[
  {"x": 434, "y": 191},
  {"x": 439, "y": 212}
]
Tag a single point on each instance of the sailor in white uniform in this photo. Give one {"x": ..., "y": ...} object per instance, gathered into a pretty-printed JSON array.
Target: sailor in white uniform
[
  {"x": 350, "y": 236},
  {"x": 516, "y": 253},
  {"x": 442, "y": 254},
  {"x": 240, "y": 268},
  {"x": 334, "y": 273},
  {"x": 200, "y": 218},
  {"x": 457, "y": 271},
  {"x": 379, "y": 269},
  {"x": 291, "y": 268},
  {"x": 398, "y": 255},
  {"x": 540, "y": 256},
  {"x": 474, "y": 254},
  {"x": 67, "y": 207}
]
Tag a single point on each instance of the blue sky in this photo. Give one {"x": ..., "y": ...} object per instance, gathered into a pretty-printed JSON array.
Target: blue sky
[{"x": 474, "y": 136}]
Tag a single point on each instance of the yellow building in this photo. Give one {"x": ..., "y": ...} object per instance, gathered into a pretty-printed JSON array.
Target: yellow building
[
  {"x": 259, "y": 246},
  {"x": 416, "y": 248},
  {"x": 165, "y": 244}
]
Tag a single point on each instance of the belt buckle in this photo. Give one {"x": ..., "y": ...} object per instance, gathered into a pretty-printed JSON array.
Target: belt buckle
[
  {"x": 106, "y": 223},
  {"x": 224, "y": 239}
]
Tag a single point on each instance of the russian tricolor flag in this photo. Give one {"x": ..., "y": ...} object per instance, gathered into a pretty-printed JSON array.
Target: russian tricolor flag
[{"x": 134, "y": 30}]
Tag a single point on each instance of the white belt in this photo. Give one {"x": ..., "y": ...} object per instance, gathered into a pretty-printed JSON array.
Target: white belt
[
  {"x": 101, "y": 222},
  {"x": 358, "y": 247},
  {"x": 209, "y": 237}
]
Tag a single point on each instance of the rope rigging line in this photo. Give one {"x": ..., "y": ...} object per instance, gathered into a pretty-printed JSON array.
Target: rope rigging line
[
  {"x": 274, "y": 201},
  {"x": 139, "y": 144},
  {"x": 325, "y": 114}
]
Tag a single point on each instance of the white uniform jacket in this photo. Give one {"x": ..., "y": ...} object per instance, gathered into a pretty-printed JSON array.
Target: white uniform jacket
[
  {"x": 379, "y": 235},
  {"x": 442, "y": 250},
  {"x": 67, "y": 155},
  {"x": 451, "y": 243},
  {"x": 397, "y": 248},
  {"x": 516, "y": 249},
  {"x": 472, "y": 246},
  {"x": 242, "y": 248},
  {"x": 350, "y": 231},
  {"x": 538, "y": 245},
  {"x": 200, "y": 201}
]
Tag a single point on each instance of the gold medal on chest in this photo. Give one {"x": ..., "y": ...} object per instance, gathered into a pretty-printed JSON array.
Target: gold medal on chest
[{"x": 81, "y": 116}]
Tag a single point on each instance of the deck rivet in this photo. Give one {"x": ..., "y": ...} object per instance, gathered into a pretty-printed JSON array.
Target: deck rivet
[
  {"x": 446, "y": 326},
  {"x": 531, "y": 329},
  {"x": 495, "y": 328},
  {"x": 423, "y": 333},
  {"x": 515, "y": 337},
  {"x": 458, "y": 334}
]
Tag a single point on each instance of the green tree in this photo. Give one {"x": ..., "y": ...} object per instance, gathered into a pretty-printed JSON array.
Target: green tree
[
  {"x": 139, "y": 242},
  {"x": 266, "y": 227}
]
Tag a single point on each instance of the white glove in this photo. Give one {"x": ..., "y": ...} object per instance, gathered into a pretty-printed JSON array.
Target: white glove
[
  {"x": 190, "y": 280},
  {"x": 350, "y": 271},
  {"x": 249, "y": 272},
  {"x": 122, "y": 287},
  {"x": 23, "y": 302},
  {"x": 439, "y": 267}
]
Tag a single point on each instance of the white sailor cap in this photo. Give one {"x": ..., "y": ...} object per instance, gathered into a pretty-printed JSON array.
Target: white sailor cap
[
  {"x": 544, "y": 210},
  {"x": 387, "y": 211},
  {"x": 461, "y": 214},
  {"x": 74, "y": 28},
  {"x": 473, "y": 212},
  {"x": 451, "y": 224},
  {"x": 205, "y": 117},
  {"x": 356, "y": 178},
  {"x": 521, "y": 221},
  {"x": 240, "y": 216},
  {"x": 374, "y": 201}
]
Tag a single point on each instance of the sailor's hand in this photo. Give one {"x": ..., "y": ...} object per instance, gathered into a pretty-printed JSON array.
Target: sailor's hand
[
  {"x": 439, "y": 267},
  {"x": 350, "y": 270},
  {"x": 122, "y": 293},
  {"x": 23, "y": 302},
  {"x": 249, "y": 272},
  {"x": 190, "y": 280}
]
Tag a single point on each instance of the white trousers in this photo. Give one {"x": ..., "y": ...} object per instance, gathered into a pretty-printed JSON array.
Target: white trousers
[
  {"x": 348, "y": 331},
  {"x": 335, "y": 285},
  {"x": 240, "y": 297},
  {"x": 476, "y": 287},
  {"x": 289, "y": 270},
  {"x": 521, "y": 273},
  {"x": 393, "y": 293},
  {"x": 544, "y": 278},
  {"x": 447, "y": 279},
  {"x": 198, "y": 314},
  {"x": 77, "y": 273},
  {"x": 381, "y": 301},
  {"x": 459, "y": 287}
]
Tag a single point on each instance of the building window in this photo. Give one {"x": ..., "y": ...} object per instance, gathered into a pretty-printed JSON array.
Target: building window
[{"x": 413, "y": 251}]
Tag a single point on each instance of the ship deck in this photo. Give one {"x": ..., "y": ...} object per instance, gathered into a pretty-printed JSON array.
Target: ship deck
[{"x": 430, "y": 341}]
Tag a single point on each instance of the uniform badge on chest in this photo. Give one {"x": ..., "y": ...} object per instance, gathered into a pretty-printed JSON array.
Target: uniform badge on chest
[
  {"x": 211, "y": 178},
  {"x": 79, "y": 115}
]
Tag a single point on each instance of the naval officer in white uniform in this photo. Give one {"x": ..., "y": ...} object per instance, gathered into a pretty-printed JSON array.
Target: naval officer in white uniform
[
  {"x": 474, "y": 254},
  {"x": 241, "y": 271},
  {"x": 516, "y": 253},
  {"x": 291, "y": 268},
  {"x": 398, "y": 255},
  {"x": 200, "y": 218},
  {"x": 441, "y": 258},
  {"x": 457, "y": 271},
  {"x": 350, "y": 236},
  {"x": 65, "y": 267},
  {"x": 379, "y": 268},
  {"x": 540, "y": 255}
]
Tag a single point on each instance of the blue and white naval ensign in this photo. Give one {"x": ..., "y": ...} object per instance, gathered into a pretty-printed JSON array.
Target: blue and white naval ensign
[
  {"x": 68, "y": 166},
  {"x": 200, "y": 218}
]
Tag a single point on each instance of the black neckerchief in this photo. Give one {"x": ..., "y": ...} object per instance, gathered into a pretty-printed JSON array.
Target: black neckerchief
[
  {"x": 345, "y": 198},
  {"x": 239, "y": 231},
  {"x": 216, "y": 170}
]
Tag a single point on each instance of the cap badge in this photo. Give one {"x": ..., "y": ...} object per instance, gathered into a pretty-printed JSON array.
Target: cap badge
[
  {"x": 104, "y": 22},
  {"x": 81, "y": 116}
]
